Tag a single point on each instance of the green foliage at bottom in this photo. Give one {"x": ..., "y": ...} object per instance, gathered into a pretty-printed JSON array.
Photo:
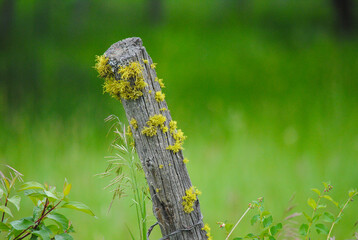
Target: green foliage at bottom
[{"x": 46, "y": 222}]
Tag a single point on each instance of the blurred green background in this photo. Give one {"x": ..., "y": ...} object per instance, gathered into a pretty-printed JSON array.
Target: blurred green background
[{"x": 266, "y": 92}]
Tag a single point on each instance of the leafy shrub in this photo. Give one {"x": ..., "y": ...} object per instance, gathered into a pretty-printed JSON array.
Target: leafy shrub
[
  {"x": 321, "y": 220},
  {"x": 46, "y": 222}
]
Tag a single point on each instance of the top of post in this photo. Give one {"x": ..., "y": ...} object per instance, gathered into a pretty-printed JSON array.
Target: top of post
[{"x": 125, "y": 50}]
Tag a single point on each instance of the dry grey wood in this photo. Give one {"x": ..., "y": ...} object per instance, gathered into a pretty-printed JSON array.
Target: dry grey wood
[{"x": 173, "y": 179}]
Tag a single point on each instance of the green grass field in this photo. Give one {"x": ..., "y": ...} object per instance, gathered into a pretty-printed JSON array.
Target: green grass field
[{"x": 269, "y": 104}]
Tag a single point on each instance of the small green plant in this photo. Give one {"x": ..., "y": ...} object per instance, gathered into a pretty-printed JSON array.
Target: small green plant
[
  {"x": 263, "y": 219},
  {"x": 321, "y": 220},
  {"x": 320, "y": 212},
  {"x": 127, "y": 174},
  {"x": 46, "y": 222}
]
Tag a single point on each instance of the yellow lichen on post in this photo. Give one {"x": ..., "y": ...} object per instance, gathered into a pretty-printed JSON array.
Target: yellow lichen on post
[
  {"x": 161, "y": 166},
  {"x": 178, "y": 136},
  {"x": 134, "y": 123},
  {"x": 153, "y": 123},
  {"x": 189, "y": 199},
  {"x": 145, "y": 61},
  {"x": 160, "y": 81},
  {"x": 129, "y": 131},
  {"x": 185, "y": 160},
  {"x": 207, "y": 229},
  {"x": 131, "y": 84},
  {"x": 103, "y": 68},
  {"x": 159, "y": 96},
  {"x": 163, "y": 109},
  {"x": 131, "y": 72},
  {"x": 112, "y": 87},
  {"x": 165, "y": 129},
  {"x": 153, "y": 65},
  {"x": 173, "y": 126}
]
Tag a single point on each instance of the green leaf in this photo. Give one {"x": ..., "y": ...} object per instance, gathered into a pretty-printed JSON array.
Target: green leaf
[
  {"x": 63, "y": 236},
  {"x": 352, "y": 192},
  {"x": 67, "y": 188},
  {"x": 4, "y": 227},
  {"x": 309, "y": 219},
  {"x": 316, "y": 191},
  {"x": 42, "y": 233},
  {"x": 338, "y": 219},
  {"x": 31, "y": 185},
  {"x": 276, "y": 228},
  {"x": 52, "y": 197},
  {"x": 1, "y": 192},
  {"x": 79, "y": 207},
  {"x": 312, "y": 203},
  {"x": 330, "y": 199},
  {"x": 264, "y": 232},
  {"x": 321, "y": 206},
  {"x": 36, "y": 212},
  {"x": 5, "y": 210},
  {"x": 22, "y": 224},
  {"x": 272, "y": 238},
  {"x": 303, "y": 229},
  {"x": 54, "y": 229},
  {"x": 316, "y": 217},
  {"x": 328, "y": 217},
  {"x": 16, "y": 201},
  {"x": 262, "y": 208},
  {"x": 228, "y": 227},
  {"x": 238, "y": 238},
  {"x": 320, "y": 228},
  {"x": 250, "y": 235},
  {"x": 254, "y": 219},
  {"x": 267, "y": 221},
  {"x": 60, "y": 219},
  {"x": 13, "y": 232},
  {"x": 265, "y": 213},
  {"x": 37, "y": 193},
  {"x": 7, "y": 184}
]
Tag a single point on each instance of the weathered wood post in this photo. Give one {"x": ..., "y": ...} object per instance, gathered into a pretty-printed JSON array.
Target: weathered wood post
[{"x": 130, "y": 77}]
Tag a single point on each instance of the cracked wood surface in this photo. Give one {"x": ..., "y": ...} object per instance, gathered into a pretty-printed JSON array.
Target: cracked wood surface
[{"x": 168, "y": 184}]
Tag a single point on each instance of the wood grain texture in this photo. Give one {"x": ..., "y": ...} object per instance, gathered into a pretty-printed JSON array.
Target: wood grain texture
[{"x": 168, "y": 184}]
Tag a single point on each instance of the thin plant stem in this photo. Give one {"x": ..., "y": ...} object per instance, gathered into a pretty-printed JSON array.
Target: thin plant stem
[
  {"x": 139, "y": 204},
  {"x": 6, "y": 201},
  {"x": 314, "y": 211},
  {"x": 127, "y": 155},
  {"x": 339, "y": 214},
  {"x": 243, "y": 215},
  {"x": 37, "y": 223}
]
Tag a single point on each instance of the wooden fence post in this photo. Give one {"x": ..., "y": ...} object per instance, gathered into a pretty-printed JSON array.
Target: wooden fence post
[{"x": 130, "y": 76}]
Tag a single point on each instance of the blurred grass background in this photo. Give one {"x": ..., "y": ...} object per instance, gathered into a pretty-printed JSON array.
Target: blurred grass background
[{"x": 266, "y": 92}]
